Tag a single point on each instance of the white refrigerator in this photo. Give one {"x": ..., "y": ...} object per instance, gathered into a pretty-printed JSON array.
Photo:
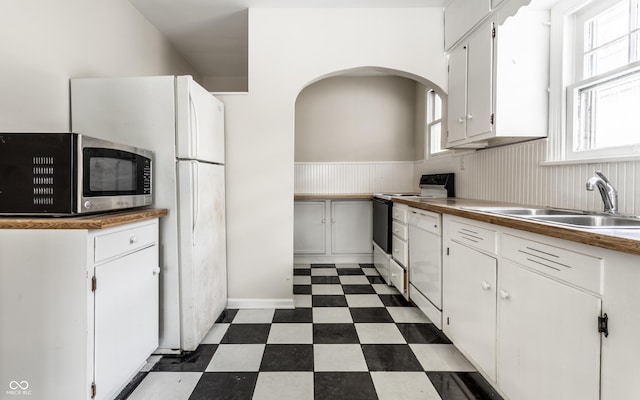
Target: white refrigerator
[{"x": 183, "y": 125}]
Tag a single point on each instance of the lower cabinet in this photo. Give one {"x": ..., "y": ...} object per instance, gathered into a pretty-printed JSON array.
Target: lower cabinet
[
  {"x": 525, "y": 309},
  {"x": 398, "y": 278},
  {"x": 83, "y": 308},
  {"x": 469, "y": 299},
  {"x": 549, "y": 346},
  {"x": 309, "y": 227},
  {"x": 126, "y": 324},
  {"x": 348, "y": 238}
]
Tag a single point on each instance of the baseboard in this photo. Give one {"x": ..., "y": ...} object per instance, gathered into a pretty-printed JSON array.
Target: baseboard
[{"x": 260, "y": 303}]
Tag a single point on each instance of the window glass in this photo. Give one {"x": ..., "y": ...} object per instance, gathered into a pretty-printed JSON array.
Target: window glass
[
  {"x": 606, "y": 89},
  {"x": 433, "y": 125}
]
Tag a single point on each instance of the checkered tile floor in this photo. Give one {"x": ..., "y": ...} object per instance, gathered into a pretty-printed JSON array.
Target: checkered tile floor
[{"x": 350, "y": 337}]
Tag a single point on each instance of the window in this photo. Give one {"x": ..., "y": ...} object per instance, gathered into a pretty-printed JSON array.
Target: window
[
  {"x": 603, "y": 87},
  {"x": 433, "y": 129}
]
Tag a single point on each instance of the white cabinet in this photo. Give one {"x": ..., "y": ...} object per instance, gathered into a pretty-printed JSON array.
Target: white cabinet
[
  {"x": 82, "y": 305},
  {"x": 549, "y": 346},
  {"x": 309, "y": 226},
  {"x": 469, "y": 290},
  {"x": 399, "y": 240},
  {"x": 126, "y": 318},
  {"x": 348, "y": 239},
  {"x": 469, "y": 310},
  {"x": 351, "y": 227},
  {"x": 498, "y": 80},
  {"x": 548, "y": 308},
  {"x": 470, "y": 87},
  {"x": 460, "y": 16},
  {"x": 398, "y": 278}
]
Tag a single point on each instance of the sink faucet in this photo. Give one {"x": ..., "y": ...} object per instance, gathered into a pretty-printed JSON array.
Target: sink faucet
[{"x": 607, "y": 191}]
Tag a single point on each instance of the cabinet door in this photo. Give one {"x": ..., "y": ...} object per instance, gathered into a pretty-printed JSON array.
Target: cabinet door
[
  {"x": 309, "y": 227},
  {"x": 126, "y": 318},
  {"x": 469, "y": 304},
  {"x": 352, "y": 230},
  {"x": 549, "y": 345},
  {"x": 457, "y": 99},
  {"x": 480, "y": 81}
]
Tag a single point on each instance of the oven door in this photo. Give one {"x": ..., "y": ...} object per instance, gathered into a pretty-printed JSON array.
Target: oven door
[{"x": 382, "y": 223}]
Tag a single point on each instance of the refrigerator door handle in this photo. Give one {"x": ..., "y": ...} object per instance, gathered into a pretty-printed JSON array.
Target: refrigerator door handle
[
  {"x": 196, "y": 201},
  {"x": 194, "y": 135}
]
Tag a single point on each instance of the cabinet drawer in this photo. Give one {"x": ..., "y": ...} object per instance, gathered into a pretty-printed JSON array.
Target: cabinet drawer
[
  {"x": 400, "y": 230},
  {"x": 400, "y": 250},
  {"x": 473, "y": 236},
  {"x": 398, "y": 277},
  {"x": 400, "y": 213},
  {"x": 125, "y": 241},
  {"x": 578, "y": 269}
]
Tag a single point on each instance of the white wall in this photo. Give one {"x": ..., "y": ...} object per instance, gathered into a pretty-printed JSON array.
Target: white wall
[
  {"x": 349, "y": 118},
  {"x": 289, "y": 49},
  {"x": 514, "y": 174},
  {"x": 43, "y": 43}
]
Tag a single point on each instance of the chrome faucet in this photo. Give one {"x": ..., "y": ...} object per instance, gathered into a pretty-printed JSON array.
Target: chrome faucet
[{"x": 607, "y": 191}]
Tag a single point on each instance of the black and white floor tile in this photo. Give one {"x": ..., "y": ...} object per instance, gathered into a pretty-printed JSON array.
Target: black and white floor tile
[{"x": 350, "y": 337}]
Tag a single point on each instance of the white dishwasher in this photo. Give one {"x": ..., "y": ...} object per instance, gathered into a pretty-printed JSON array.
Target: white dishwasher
[{"x": 425, "y": 263}]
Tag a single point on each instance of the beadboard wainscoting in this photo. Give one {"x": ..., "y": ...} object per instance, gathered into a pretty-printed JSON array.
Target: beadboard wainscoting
[
  {"x": 511, "y": 173},
  {"x": 514, "y": 174},
  {"x": 354, "y": 177}
]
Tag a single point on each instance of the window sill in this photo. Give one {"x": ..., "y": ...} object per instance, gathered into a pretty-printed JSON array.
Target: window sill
[{"x": 600, "y": 160}]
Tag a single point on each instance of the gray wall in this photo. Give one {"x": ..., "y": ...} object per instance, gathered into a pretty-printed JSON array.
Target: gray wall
[
  {"x": 43, "y": 43},
  {"x": 349, "y": 118}
]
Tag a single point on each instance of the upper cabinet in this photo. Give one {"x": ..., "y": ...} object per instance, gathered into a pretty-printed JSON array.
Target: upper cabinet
[
  {"x": 460, "y": 16},
  {"x": 498, "y": 80}
]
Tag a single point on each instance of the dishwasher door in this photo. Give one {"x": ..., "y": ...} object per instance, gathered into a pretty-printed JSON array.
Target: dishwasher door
[{"x": 425, "y": 255}]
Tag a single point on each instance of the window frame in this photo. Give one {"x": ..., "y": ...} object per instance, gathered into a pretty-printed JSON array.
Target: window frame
[
  {"x": 564, "y": 87},
  {"x": 431, "y": 121}
]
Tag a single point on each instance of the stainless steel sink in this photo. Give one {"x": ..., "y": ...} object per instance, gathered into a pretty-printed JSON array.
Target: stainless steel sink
[
  {"x": 592, "y": 221},
  {"x": 528, "y": 212},
  {"x": 575, "y": 218}
]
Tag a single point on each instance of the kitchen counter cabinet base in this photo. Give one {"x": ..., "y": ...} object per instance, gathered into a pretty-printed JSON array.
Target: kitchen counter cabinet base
[
  {"x": 61, "y": 336},
  {"x": 333, "y": 231}
]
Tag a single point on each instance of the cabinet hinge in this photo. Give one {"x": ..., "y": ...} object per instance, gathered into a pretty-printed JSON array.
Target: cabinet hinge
[
  {"x": 493, "y": 32},
  {"x": 603, "y": 325},
  {"x": 447, "y": 251},
  {"x": 94, "y": 283},
  {"x": 93, "y": 390},
  {"x": 492, "y": 118}
]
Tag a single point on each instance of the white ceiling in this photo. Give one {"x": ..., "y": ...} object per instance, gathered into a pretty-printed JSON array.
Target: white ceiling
[{"x": 212, "y": 34}]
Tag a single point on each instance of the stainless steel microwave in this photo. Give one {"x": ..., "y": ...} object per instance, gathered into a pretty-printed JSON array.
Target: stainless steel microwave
[{"x": 61, "y": 174}]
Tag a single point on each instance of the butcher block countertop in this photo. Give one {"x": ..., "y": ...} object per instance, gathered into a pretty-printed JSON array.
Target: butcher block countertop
[
  {"x": 623, "y": 240},
  {"x": 95, "y": 221},
  {"x": 341, "y": 196}
]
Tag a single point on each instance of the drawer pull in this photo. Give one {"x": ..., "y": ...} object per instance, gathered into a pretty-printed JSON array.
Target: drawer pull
[
  {"x": 504, "y": 294},
  {"x": 133, "y": 240},
  {"x": 486, "y": 285},
  {"x": 156, "y": 270}
]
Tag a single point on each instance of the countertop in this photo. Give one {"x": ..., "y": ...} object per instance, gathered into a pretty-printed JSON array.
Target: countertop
[
  {"x": 340, "y": 196},
  {"x": 95, "y": 221},
  {"x": 623, "y": 240}
]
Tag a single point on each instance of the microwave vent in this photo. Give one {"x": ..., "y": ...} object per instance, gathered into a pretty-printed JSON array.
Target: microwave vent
[{"x": 43, "y": 170}]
